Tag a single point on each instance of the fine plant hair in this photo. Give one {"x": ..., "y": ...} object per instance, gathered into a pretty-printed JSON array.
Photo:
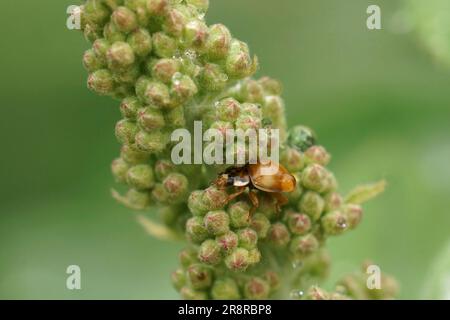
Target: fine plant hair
[{"x": 168, "y": 69}]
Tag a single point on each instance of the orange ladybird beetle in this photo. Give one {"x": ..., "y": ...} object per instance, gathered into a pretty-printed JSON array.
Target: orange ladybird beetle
[{"x": 269, "y": 177}]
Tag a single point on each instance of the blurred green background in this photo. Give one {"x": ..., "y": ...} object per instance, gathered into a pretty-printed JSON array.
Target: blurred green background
[{"x": 376, "y": 99}]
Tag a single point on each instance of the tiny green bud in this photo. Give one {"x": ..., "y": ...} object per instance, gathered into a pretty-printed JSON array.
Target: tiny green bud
[
  {"x": 225, "y": 289},
  {"x": 334, "y": 223},
  {"x": 150, "y": 119},
  {"x": 196, "y": 230},
  {"x": 228, "y": 241},
  {"x": 188, "y": 293},
  {"x": 101, "y": 82},
  {"x": 133, "y": 156},
  {"x": 353, "y": 213},
  {"x": 164, "y": 46},
  {"x": 301, "y": 138},
  {"x": 239, "y": 214},
  {"x": 127, "y": 76},
  {"x": 183, "y": 87},
  {"x": 312, "y": 204},
  {"x": 195, "y": 34},
  {"x": 302, "y": 246},
  {"x": 298, "y": 223},
  {"x": 239, "y": 64},
  {"x": 195, "y": 203},
  {"x": 175, "y": 117},
  {"x": 333, "y": 201},
  {"x": 151, "y": 142},
  {"x": 178, "y": 278},
  {"x": 163, "y": 168},
  {"x": 248, "y": 238},
  {"x": 157, "y": 93},
  {"x": 96, "y": 12},
  {"x": 113, "y": 34},
  {"x": 92, "y": 32},
  {"x": 141, "y": 85},
  {"x": 316, "y": 178},
  {"x": 164, "y": 69},
  {"x": 91, "y": 62},
  {"x": 228, "y": 109},
  {"x": 295, "y": 195},
  {"x": 214, "y": 198},
  {"x": 126, "y": 131},
  {"x": 160, "y": 194},
  {"x": 174, "y": 21},
  {"x": 260, "y": 224},
  {"x": 273, "y": 279},
  {"x": 124, "y": 19},
  {"x": 246, "y": 122},
  {"x": 317, "y": 154},
  {"x": 256, "y": 289},
  {"x": 100, "y": 48},
  {"x": 251, "y": 109},
  {"x": 201, "y": 5},
  {"x": 219, "y": 42},
  {"x": 141, "y": 177},
  {"x": 140, "y": 42},
  {"x": 129, "y": 107},
  {"x": 279, "y": 235},
  {"x": 252, "y": 91},
  {"x": 293, "y": 159},
  {"x": 120, "y": 56},
  {"x": 119, "y": 169},
  {"x": 157, "y": 7},
  {"x": 135, "y": 199},
  {"x": 317, "y": 293},
  {"x": 213, "y": 78},
  {"x": 254, "y": 256},
  {"x": 238, "y": 260},
  {"x": 176, "y": 185},
  {"x": 209, "y": 252},
  {"x": 187, "y": 256},
  {"x": 217, "y": 222},
  {"x": 271, "y": 86},
  {"x": 199, "y": 276}
]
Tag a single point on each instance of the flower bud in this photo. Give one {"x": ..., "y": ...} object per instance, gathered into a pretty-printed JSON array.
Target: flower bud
[
  {"x": 316, "y": 178},
  {"x": 251, "y": 109},
  {"x": 101, "y": 82},
  {"x": 160, "y": 194},
  {"x": 273, "y": 107},
  {"x": 124, "y": 19},
  {"x": 213, "y": 78},
  {"x": 127, "y": 77},
  {"x": 178, "y": 278},
  {"x": 174, "y": 21},
  {"x": 164, "y": 69},
  {"x": 183, "y": 87},
  {"x": 333, "y": 201},
  {"x": 239, "y": 214},
  {"x": 113, "y": 34},
  {"x": 176, "y": 185},
  {"x": 94, "y": 11},
  {"x": 92, "y": 32},
  {"x": 150, "y": 119},
  {"x": 119, "y": 169},
  {"x": 91, "y": 62},
  {"x": 334, "y": 223},
  {"x": 217, "y": 222},
  {"x": 248, "y": 238},
  {"x": 195, "y": 34},
  {"x": 219, "y": 42},
  {"x": 302, "y": 246},
  {"x": 228, "y": 241},
  {"x": 312, "y": 204},
  {"x": 298, "y": 223},
  {"x": 100, "y": 48},
  {"x": 256, "y": 289},
  {"x": 200, "y": 5},
  {"x": 200, "y": 276},
  {"x": 140, "y": 177},
  {"x": 133, "y": 156},
  {"x": 163, "y": 168},
  {"x": 209, "y": 252},
  {"x": 134, "y": 199},
  {"x": 301, "y": 138},
  {"x": 225, "y": 289},
  {"x": 295, "y": 195},
  {"x": 126, "y": 131},
  {"x": 239, "y": 64},
  {"x": 245, "y": 122},
  {"x": 157, "y": 7},
  {"x": 140, "y": 42},
  {"x": 175, "y": 117},
  {"x": 157, "y": 93},
  {"x": 129, "y": 107},
  {"x": 278, "y": 235},
  {"x": 353, "y": 213},
  {"x": 238, "y": 260},
  {"x": 196, "y": 230},
  {"x": 271, "y": 86},
  {"x": 195, "y": 203},
  {"x": 317, "y": 293},
  {"x": 187, "y": 256},
  {"x": 151, "y": 142},
  {"x": 252, "y": 91},
  {"x": 273, "y": 279},
  {"x": 191, "y": 294},
  {"x": 214, "y": 198},
  {"x": 228, "y": 109},
  {"x": 254, "y": 256},
  {"x": 293, "y": 160},
  {"x": 120, "y": 56},
  {"x": 317, "y": 154},
  {"x": 260, "y": 224},
  {"x": 164, "y": 46}
]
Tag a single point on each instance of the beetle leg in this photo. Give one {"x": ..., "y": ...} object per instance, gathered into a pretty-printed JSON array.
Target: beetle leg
[
  {"x": 281, "y": 200},
  {"x": 255, "y": 201},
  {"x": 240, "y": 191}
]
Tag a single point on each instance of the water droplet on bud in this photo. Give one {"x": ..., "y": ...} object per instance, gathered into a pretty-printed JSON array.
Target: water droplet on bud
[{"x": 296, "y": 294}]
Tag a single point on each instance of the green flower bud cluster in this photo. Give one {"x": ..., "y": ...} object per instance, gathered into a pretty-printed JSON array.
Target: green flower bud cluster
[{"x": 169, "y": 69}]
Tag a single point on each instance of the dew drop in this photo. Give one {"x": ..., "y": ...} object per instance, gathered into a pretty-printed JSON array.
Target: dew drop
[{"x": 296, "y": 294}]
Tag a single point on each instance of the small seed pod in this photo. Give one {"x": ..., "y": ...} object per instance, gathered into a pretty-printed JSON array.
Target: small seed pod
[
  {"x": 129, "y": 107},
  {"x": 157, "y": 7},
  {"x": 214, "y": 199},
  {"x": 126, "y": 131},
  {"x": 164, "y": 46},
  {"x": 248, "y": 238},
  {"x": 316, "y": 178},
  {"x": 209, "y": 252},
  {"x": 298, "y": 223},
  {"x": 119, "y": 170},
  {"x": 334, "y": 223},
  {"x": 178, "y": 278},
  {"x": 176, "y": 185},
  {"x": 260, "y": 224},
  {"x": 225, "y": 289},
  {"x": 312, "y": 204},
  {"x": 302, "y": 246},
  {"x": 91, "y": 62},
  {"x": 219, "y": 42},
  {"x": 140, "y": 42},
  {"x": 101, "y": 82},
  {"x": 301, "y": 138},
  {"x": 151, "y": 142},
  {"x": 150, "y": 119},
  {"x": 124, "y": 19},
  {"x": 200, "y": 276},
  {"x": 157, "y": 93},
  {"x": 278, "y": 235},
  {"x": 293, "y": 159},
  {"x": 213, "y": 78},
  {"x": 196, "y": 230},
  {"x": 353, "y": 213},
  {"x": 217, "y": 222},
  {"x": 317, "y": 154},
  {"x": 120, "y": 56},
  {"x": 333, "y": 201},
  {"x": 228, "y": 110},
  {"x": 187, "y": 256},
  {"x": 254, "y": 256},
  {"x": 238, "y": 260},
  {"x": 239, "y": 64},
  {"x": 164, "y": 69},
  {"x": 228, "y": 242},
  {"x": 256, "y": 289},
  {"x": 239, "y": 214},
  {"x": 141, "y": 177},
  {"x": 188, "y": 293}
]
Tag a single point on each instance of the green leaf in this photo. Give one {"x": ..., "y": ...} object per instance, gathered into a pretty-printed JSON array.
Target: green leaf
[
  {"x": 156, "y": 230},
  {"x": 366, "y": 192}
]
